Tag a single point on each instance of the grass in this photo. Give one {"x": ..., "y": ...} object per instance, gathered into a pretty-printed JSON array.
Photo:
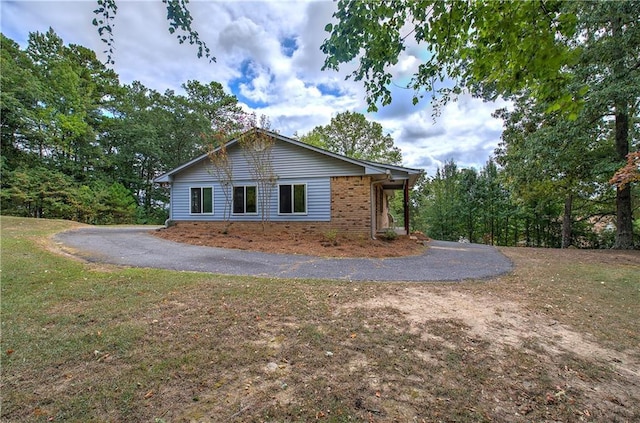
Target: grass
[{"x": 555, "y": 340}]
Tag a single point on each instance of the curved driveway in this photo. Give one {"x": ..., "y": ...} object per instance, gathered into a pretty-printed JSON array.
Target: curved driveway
[{"x": 135, "y": 246}]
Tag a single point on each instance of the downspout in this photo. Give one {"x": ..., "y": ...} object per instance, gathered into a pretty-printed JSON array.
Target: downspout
[
  {"x": 167, "y": 222},
  {"x": 171, "y": 202},
  {"x": 374, "y": 221},
  {"x": 406, "y": 206}
]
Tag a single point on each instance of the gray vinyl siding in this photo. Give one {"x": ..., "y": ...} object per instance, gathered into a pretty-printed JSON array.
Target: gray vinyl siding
[
  {"x": 291, "y": 165},
  {"x": 289, "y": 162},
  {"x": 318, "y": 202}
]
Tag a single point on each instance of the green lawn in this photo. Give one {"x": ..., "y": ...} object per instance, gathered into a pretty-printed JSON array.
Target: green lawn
[{"x": 556, "y": 340}]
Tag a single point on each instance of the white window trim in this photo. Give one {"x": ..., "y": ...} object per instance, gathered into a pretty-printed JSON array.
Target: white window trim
[
  {"x": 306, "y": 200},
  {"x": 213, "y": 201},
  {"x": 233, "y": 187}
]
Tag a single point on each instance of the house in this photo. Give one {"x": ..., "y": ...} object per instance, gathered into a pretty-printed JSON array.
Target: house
[{"x": 300, "y": 186}]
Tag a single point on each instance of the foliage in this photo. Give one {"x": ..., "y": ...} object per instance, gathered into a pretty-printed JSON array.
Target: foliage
[
  {"x": 389, "y": 235},
  {"x": 178, "y": 16},
  {"x": 566, "y": 56},
  {"x": 490, "y": 47},
  {"x": 331, "y": 237},
  {"x": 628, "y": 173},
  {"x": 76, "y": 144},
  {"x": 352, "y": 135},
  {"x": 119, "y": 204},
  {"x": 222, "y": 168},
  {"x": 512, "y": 206},
  {"x": 256, "y": 148},
  {"x": 543, "y": 154},
  {"x": 42, "y": 193}
]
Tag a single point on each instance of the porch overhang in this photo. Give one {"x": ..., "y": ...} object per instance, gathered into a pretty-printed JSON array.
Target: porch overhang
[{"x": 391, "y": 182}]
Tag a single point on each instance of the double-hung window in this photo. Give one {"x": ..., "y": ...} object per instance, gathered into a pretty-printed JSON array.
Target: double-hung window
[
  {"x": 202, "y": 200},
  {"x": 245, "y": 200},
  {"x": 292, "y": 199}
]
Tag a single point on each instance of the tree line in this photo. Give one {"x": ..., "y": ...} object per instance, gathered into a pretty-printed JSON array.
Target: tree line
[
  {"x": 492, "y": 206},
  {"x": 77, "y": 144}
]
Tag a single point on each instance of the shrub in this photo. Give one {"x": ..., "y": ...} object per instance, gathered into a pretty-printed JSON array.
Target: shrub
[
  {"x": 389, "y": 235},
  {"x": 331, "y": 237}
]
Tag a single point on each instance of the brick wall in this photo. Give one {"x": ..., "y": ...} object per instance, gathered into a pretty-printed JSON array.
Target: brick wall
[
  {"x": 351, "y": 204},
  {"x": 350, "y": 212},
  {"x": 270, "y": 227}
]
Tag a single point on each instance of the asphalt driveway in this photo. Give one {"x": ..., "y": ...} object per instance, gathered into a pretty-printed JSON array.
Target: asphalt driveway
[{"x": 135, "y": 246}]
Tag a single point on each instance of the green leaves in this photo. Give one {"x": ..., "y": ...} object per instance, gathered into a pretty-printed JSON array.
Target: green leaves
[
  {"x": 78, "y": 145},
  {"x": 351, "y": 135},
  {"x": 178, "y": 16},
  {"x": 106, "y": 13},
  {"x": 180, "y": 19},
  {"x": 577, "y": 60},
  {"x": 488, "y": 47}
]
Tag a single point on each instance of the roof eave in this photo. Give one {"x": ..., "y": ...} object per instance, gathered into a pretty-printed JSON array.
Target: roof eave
[
  {"x": 370, "y": 168},
  {"x": 168, "y": 177}
]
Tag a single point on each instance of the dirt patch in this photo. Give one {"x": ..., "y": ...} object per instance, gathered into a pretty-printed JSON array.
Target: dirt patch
[
  {"x": 503, "y": 323},
  {"x": 508, "y": 335},
  {"x": 292, "y": 242}
]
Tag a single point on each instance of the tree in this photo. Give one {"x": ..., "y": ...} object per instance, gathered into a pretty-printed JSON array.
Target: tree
[
  {"x": 469, "y": 202},
  {"x": 20, "y": 91},
  {"x": 53, "y": 101},
  {"x": 219, "y": 108},
  {"x": 222, "y": 165},
  {"x": 257, "y": 146},
  {"x": 120, "y": 206},
  {"x": 612, "y": 71},
  {"x": 544, "y": 154},
  {"x": 75, "y": 87},
  {"x": 225, "y": 119},
  {"x": 565, "y": 54},
  {"x": 352, "y": 135},
  {"x": 442, "y": 213},
  {"x": 178, "y": 16},
  {"x": 150, "y": 133},
  {"x": 489, "y": 47},
  {"x": 39, "y": 192}
]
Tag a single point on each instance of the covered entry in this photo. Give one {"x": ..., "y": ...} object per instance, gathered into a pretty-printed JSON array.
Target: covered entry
[{"x": 384, "y": 191}]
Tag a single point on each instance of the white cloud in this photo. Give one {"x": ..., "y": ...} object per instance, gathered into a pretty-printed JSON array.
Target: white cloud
[
  {"x": 464, "y": 131},
  {"x": 268, "y": 54}
]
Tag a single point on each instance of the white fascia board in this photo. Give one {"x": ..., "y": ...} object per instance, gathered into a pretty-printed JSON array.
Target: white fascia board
[{"x": 168, "y": 177}]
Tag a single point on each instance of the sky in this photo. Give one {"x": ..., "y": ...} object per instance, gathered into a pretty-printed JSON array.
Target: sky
[{"x": 268, "y": 56}]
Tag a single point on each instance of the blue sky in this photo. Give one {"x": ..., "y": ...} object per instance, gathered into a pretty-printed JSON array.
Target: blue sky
[{"x": 268, "y": 55}]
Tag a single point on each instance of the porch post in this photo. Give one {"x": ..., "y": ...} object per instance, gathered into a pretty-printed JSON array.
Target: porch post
[{"x": 406, "y": 206}]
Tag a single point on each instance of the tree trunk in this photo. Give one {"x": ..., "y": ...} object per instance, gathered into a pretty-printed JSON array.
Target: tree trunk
[
  {"x": 624, "y": 217},
  {"x": 567, "y": 221}
]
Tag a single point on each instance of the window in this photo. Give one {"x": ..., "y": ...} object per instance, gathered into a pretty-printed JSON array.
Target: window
[
  {"x": 202, "y": 200},
  {"x": 293, "y": 199},
  {"x": 245, "y": 200}
]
